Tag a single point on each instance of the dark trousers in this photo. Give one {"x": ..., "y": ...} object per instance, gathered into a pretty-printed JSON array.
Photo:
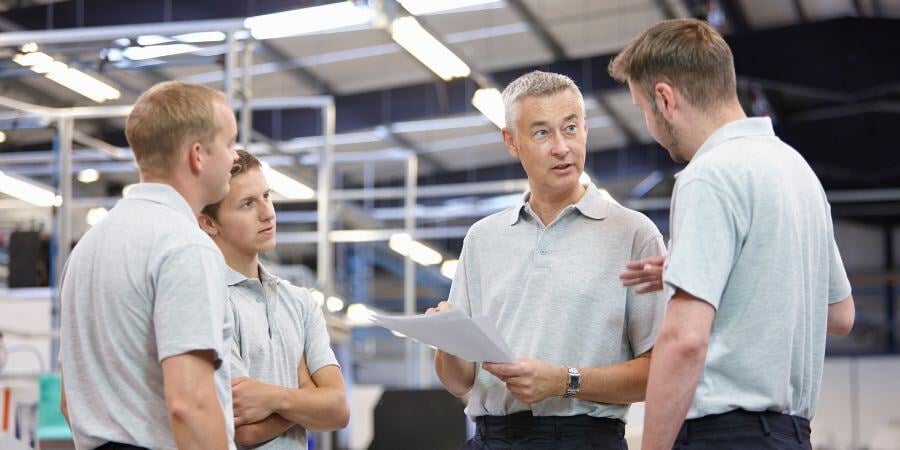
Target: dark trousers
[
  {"x": 118, "y": 446},
  {"x": 739, "y": 430},
  {"x": 522, "y": 431}
]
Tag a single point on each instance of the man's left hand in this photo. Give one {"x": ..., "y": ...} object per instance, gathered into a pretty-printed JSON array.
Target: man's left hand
[
  {"x": 252, "y": 400},
  {"x": 530, "y": 380}
]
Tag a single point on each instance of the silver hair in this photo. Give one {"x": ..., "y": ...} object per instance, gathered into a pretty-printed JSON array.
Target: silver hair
[{"x": 539, "y": 84}]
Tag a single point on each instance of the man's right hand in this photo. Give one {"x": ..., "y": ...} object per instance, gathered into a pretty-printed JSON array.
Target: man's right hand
[
  {"x": 442, "y": 306},
  {"x": 647, "y": 272}
]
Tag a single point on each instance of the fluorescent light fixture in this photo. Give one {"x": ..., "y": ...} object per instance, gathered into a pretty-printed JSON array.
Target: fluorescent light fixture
[
  {"x": 407, "y": 32},
  {"x": 32, "y": 59},
  {"x": 29, "y": 47},
  {"x": 359, "y": 315},
  {"x": 73, "y": 79},
  {"x": 490, "y": 103},
  {"x": 85, "y": 85},
  {"x": 398, "y": 334},
  {"x": 190, "y": 38},
  {"x": 286, "y": 185},
  {"x": 422, "y": 7},
  {"x": 334, "y": 304},
  {"x": 448, "y": 268},
  {"x": 157, "y": 51},
  {"x": 318, "y": 297},
  {"x": 28, "y": 191},
  {"x": 2, "y": 137},
  {"x": 308, "y": 20},
  {"x": 95, "y": 215},
  {"x": 201, "y": 36},
  {"x": 49, "y": 67},
  {"x": 88, "y": 176},
  {"x": 152, "y": 39},
  {"x": 403, "y": 244}
]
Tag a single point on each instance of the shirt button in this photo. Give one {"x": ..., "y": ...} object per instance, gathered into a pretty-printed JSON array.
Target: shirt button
[{"x": 543, "y": 252}]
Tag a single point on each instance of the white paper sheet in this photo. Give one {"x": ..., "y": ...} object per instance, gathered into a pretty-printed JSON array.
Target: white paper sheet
[{"x": 475, "y": 339}]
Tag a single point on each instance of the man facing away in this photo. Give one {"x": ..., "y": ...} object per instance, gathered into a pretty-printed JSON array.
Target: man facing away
[
  {"x": 143, "y": 332},
  {"x": 754, "y": 276},
  {"x": 545, "y": 270},
  {"x": 287, "y": 379}
]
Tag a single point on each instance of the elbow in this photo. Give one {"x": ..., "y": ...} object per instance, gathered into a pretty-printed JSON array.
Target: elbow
[
  {"x": 245, "y": 436},
  {"x": 341, "y": 415},
  {"x": 458, "y": 389},
  {"x": 183, "y": 408},
  {"x": 687, "y": 345},
  {"x": 841, "y": 327}
]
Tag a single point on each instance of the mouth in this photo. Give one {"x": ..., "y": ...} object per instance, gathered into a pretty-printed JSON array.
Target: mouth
[
  {"x": 563, "y": 167},
  {"x": 269, "y": 230}
]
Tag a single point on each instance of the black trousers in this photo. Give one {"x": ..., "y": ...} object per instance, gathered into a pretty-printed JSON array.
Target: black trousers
[
  {"x": 739, "y": 430},
  {"x": 522, "y": 431},
  {"x": 118, "y": 446}
]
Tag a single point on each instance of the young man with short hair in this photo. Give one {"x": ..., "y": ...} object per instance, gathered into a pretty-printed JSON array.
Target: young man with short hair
[{"x": 287, "y": 379}]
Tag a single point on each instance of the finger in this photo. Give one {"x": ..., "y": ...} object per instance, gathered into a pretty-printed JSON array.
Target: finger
[
  {"x": 653, "y": 287},
  {"x": 238, "y": 380},
  {"x": 238, "y": 421},
  {"x": 631, "y": 274},
  {"x": 641, "y": 280},
  {"x": 654, "y": 269}
]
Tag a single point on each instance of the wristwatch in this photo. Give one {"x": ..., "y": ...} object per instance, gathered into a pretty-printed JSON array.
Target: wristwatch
[{"x": 574, "y": 383}]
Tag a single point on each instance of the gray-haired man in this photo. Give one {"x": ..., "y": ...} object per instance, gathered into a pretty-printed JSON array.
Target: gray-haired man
[{"x": 546, "y": 271}]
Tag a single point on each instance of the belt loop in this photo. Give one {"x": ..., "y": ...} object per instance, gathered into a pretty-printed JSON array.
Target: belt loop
[
  {"x": 765, "y": 425},
  {"x": 796, "y": 429}
]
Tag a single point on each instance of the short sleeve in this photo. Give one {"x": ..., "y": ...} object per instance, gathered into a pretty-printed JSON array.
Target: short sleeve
[
  {"x": 238, "y": 365},
  {"x": 645, "y": 312},
  {"x": 459, "y": 288},
  {"x": 838, "y": 283},
  {"x": 318, "y": 345},
  {"x": 190, "y": 302},
  {"x": 705, "y": 241}
]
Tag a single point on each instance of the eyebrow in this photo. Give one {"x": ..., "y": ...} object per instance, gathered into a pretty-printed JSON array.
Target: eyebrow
[{"x": 542, "y": 123}]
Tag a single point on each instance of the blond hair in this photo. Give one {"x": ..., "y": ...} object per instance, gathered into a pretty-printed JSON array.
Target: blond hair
[
  {"x": 538, "y": 84},
  {"x": 687, "y": 53},
  {"x": 244, "y": 164},
  {"x": 168, "y": 117}
]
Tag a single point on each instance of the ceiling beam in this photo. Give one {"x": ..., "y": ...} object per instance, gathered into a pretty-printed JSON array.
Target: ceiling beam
[{"x": 559, "y": 54}]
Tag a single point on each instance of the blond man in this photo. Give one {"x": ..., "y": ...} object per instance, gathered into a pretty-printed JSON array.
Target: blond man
[
  {"x": 753, "y": 279},
  {"x": 144, "y": 329}
]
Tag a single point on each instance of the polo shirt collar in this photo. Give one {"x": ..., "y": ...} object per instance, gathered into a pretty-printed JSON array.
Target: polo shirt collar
[
  {"x": 233, "y": 277},
  {"x": 593, "y": 204},
  {"x": 163, "y": 194},
  {"x": 754, "y": 126}
]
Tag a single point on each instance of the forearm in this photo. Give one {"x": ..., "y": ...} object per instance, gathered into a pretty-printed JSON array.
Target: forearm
[
  {"x": 314, "y": 408},
  {"x": 198, "y": 425},
  {"x": 265, "y": 430},
  {"x": 620, "y": 384},
  {"x": 456, "y": 374},
  {"x": 674, "y": 374}
]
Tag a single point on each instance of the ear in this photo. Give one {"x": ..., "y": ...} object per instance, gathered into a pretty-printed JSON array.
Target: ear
[
  {"x": 195, "y": 157},
  {"x": 509, "y": 139},
  {"x": 208, "y": 225},
  {"x": 665, "y": 97}
]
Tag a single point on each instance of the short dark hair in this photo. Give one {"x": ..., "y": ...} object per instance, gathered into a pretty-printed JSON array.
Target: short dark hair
[{"x": 244, "y": 164}]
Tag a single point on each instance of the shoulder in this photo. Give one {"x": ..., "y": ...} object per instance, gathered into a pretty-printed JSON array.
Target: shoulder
[
  {"x": 633, "y": 222},
  {"x": 297, "y": 296},
  {"x": 492, "y": 224}
]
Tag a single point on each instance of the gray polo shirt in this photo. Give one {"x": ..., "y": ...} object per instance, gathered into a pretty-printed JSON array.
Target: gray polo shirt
[
  {"x": 556, "y": 295},
  {"x": 276, "y": 324},
  {"x": 142, "y": 285},
  {"x": 752, "y": 235}
]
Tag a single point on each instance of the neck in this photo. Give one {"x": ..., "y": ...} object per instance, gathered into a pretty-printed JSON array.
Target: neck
[
  {"x": 189, "y": 191},
  {"x": 246, "y": 265},
  {"x": 705, "y": 125},
  {"x": 547, "y": 205}
]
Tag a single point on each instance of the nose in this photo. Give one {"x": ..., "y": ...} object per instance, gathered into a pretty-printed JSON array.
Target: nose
[
  {"x": 268, "y": 212},
  {"x": 559, "y": 147}
]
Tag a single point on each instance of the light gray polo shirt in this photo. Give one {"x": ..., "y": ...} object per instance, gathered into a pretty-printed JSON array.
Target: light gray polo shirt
[
  {"x": 556, "y": 295},
  {"x": 752, "y": 235},
  {"x": 142, "y": 285},
  {"x": 275, "y": 325}
]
